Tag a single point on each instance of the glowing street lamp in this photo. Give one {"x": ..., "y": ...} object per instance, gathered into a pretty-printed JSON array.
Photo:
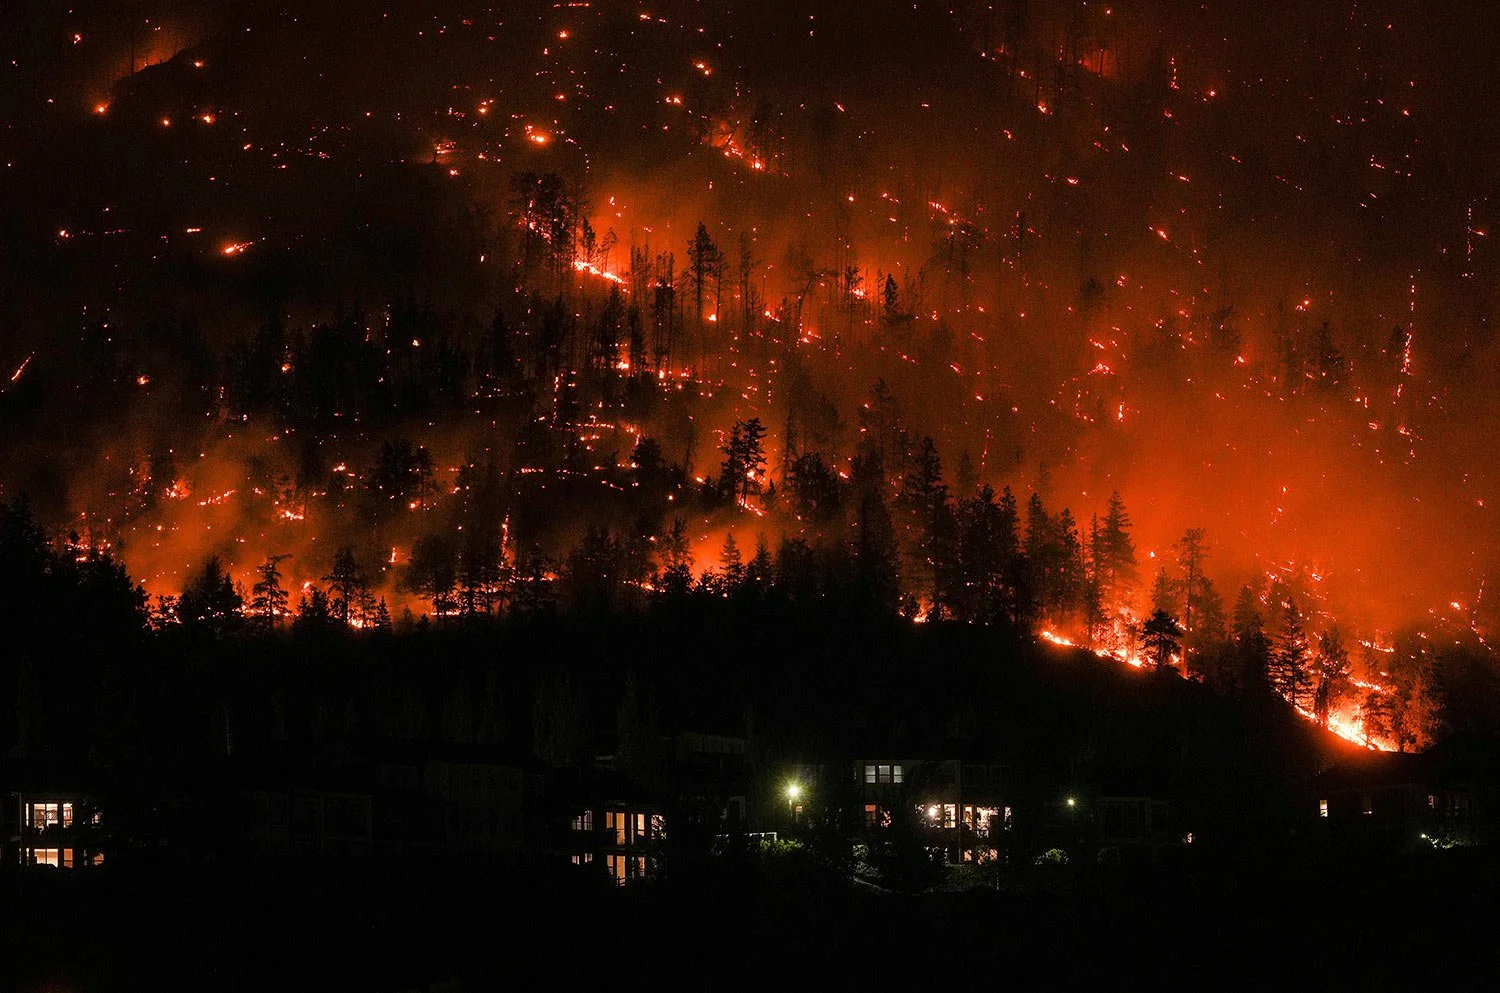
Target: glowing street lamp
[
  {"x": 1072, "y": 801},
  {"x": 793, "y": 795}
]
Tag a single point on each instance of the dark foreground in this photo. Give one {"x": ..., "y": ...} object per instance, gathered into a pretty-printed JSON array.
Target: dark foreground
[{"x": 1417, "y": 922}]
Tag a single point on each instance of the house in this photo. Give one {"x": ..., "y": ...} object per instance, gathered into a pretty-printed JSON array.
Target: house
[
  {"x": 710, "y": 779},
  {"x": 1446, "y": 796},
  {"x": 612, "y": 823},
  {"x": 465, "y": 802},
  {"x": 961, "y": 804},
  {"x": 64, "y": 830}
]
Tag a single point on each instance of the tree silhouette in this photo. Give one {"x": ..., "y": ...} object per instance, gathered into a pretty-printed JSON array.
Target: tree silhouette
[
  {"x": 347, "y": 582},
  {"x": 210, "y": 600},
  {"x": 268, "y": 603},
  {"x": 1160, "y": 638}
]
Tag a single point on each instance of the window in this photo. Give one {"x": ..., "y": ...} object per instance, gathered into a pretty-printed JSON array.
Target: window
[
  {"x": 46, "y": 856},
  {"x": 883, "y": 774},
  {"x": 979, "y": 819},
  {"x": 658, "y": 826},
  {"x": 1322, "y": 808},
  {"x": 1431, "y": 801},
  {"x": 614, "y": 821},
  {"x": 950, "y": 815},
  {"x": 583, "y": 859},
  {"x": 638, "y": 835},
  {"x": 583, "y": 821},
  {"x": 872, "y": 815},
  {"x": 616, "y": 866}
]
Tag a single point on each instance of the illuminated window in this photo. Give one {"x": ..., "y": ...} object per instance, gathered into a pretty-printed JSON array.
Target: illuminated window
[
  {"x": 1431, "y": 801},
  {"x": 872, "y": 815},
  {"x": 1322, "y": 808},
  {"x": 583, "y": 859},
  {"x": 895, "y": 774},
  {"x": 869, "y": 774},
  {"x": 980, "y": 819},
  {"x": 885, "y": 773},
  {"x": 46, "y": 856},
  {"x": 950, "y": 815},
  {"x": 584, "y": 821},
  {"x": 45, "y": 815},
  {"x": 616, "y": 866},
  {"x": 638, "y": 824}
]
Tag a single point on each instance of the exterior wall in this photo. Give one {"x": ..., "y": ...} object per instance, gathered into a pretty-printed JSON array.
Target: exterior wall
[{"x": 309, "y": 823}]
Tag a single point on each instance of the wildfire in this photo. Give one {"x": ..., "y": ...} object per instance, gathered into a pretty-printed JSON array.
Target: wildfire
[{"x": 593, "y": 270}]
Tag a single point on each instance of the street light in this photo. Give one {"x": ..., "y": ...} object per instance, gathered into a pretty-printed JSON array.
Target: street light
[
  {"x": 1072, "y": 802},
  {"x": 793, "y": 794}
]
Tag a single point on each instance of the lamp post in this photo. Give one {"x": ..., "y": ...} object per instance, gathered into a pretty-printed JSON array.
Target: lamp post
[{"x": 793, "y": 794}]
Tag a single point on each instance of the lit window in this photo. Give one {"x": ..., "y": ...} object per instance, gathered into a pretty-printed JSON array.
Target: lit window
[
  {"x": 1431, "y": 801},
  {"x": 950, "y": 815},
  {"x": 869, "y": 774},
  {"x": 979, "y": 819},
  {"x": 67, "y": 815},
  {"x": 872, "y": 815},
  {"x": 895, "y": 774},
  {"x": 583, "y": 859},
  {"x": 46, "y": 856},
  {"x": 885, "y": 773},
  {"x": 1322, "y": 808},
  {"x": 584, "y": 821}
]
